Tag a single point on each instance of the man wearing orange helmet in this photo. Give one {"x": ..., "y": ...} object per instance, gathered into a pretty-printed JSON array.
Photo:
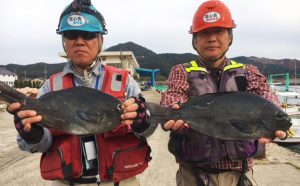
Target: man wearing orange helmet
[{"x": 206, "y": 160}]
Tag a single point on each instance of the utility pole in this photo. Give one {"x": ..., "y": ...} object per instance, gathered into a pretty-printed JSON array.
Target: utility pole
[
  {"x": 295, "y": 72},
  {"x": 45, "y": 73}
]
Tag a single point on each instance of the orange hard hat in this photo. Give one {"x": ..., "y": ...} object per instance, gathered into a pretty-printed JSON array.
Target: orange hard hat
[{"x": 212, "y": 13}]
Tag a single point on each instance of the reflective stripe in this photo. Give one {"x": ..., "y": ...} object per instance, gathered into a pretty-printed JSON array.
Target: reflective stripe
[
  {"x": 56, "y": 82},
  {"x": 195, "y": 67},
  {"x": 233, "y": 65},
  {"x": 59, "y": 82}
]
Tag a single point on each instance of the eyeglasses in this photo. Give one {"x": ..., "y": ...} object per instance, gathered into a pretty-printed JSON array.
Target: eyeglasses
[{"x": 74, "y": 34}]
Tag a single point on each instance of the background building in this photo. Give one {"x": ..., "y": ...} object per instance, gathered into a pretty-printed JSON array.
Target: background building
[{"x": 7, "y": 77}]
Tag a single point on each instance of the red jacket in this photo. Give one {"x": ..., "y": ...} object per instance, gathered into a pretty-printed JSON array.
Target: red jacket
[{"x": 120, "y": 153}]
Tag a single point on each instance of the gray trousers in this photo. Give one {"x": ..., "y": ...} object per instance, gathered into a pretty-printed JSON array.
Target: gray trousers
[
  {"x": 186, "y": 177},
  {"x": 128, "y": 182}
]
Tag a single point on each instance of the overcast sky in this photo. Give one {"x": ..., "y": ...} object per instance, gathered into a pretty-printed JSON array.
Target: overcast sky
[{"x": 268, "y": 28}]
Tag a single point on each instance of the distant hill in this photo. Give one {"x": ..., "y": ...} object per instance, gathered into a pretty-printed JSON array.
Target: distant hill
[
  {"x": 139, "y": 51},
  {"x": 35, "y": 70},
  {"x": 149, "y": 59}
]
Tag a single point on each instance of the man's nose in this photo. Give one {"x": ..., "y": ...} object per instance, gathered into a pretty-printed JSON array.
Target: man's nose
[{"x": 79, "y": 40}]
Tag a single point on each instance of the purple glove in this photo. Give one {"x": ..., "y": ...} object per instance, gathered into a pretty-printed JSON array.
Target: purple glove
[{"x": 140, "y": 122}]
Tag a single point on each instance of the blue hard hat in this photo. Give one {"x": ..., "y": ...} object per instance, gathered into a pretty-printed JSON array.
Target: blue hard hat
[{"x": 81, "y": 15}]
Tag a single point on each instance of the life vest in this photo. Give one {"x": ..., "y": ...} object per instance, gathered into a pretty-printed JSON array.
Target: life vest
[
  {"x": 194, "y": 147},
  {"x": 120, "y": 153}
]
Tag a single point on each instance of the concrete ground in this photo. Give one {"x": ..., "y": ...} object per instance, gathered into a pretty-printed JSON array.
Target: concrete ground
[{"x": 280, "y": 167}]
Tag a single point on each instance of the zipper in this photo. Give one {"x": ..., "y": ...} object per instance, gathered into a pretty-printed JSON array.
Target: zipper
[
  {"x": 98, "y": 179},
  {"x": 62, "y": 160},
  {"x": 81, "y": 155},
  {"x": 116, "y": 152},
  {"x": 98, "y": 160}
]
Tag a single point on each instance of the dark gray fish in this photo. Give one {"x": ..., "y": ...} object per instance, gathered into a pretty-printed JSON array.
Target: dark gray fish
[
  {"x": 229, "y": 116},
  {"x": 78, "y": 110}
]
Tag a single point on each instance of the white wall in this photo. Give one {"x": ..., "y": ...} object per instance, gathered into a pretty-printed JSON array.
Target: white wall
[{"x": 8, "y": 79}]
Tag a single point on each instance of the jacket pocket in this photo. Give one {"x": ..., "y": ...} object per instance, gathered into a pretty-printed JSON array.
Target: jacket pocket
[
  {"x": 127, "y": 162},
  {"x": 57, "y": 163}
]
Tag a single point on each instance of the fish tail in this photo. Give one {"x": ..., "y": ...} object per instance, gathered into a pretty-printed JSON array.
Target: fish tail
[
  {"x": 9, "y": 94},
  {"x": 158, "y": 113}
]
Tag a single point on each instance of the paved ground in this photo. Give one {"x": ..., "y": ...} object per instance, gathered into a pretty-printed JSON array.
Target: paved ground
[{"x": 280, "y": 167}]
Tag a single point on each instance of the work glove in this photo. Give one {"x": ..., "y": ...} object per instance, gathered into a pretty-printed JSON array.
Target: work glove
[
  {"x": 33, "y": 136},
  {"x": 140, "y": 123}
]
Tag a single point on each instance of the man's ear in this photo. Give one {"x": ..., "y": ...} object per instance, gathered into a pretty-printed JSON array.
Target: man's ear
[
  {"x": 100, "y": 42},
  {"x": 194, "y": 40},
  {"x": 230, "y": 36}
]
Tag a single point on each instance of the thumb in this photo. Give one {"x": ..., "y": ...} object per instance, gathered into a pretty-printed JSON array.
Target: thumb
[{"x": 176, "y": 106}]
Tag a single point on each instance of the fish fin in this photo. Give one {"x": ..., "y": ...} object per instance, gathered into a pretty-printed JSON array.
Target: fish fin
[
  {"x": 89, "y": 117},
  {"x": 9, "y": 94},
  {"x": 242, "y": 126},
  {"x": 158, "y": 113}
]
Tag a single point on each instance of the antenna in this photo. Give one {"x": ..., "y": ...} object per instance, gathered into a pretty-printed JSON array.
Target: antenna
[
  {"x": 295, "y": 72},
  {"x": 45, "y": 73}
]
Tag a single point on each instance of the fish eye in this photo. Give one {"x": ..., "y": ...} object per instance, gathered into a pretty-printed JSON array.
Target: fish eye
[{"x": 281, "y": 114}]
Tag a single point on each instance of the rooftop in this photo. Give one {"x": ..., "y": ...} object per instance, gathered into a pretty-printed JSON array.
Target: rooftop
[{"x": 4, "y": 71}]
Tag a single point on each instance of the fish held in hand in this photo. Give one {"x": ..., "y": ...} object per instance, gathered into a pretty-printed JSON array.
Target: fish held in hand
[
  {"x": 78, "y": 110},
  {"x": 228, "y": 116}
]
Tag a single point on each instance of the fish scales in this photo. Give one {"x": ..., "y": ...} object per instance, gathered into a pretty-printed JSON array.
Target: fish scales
[
  {"x": 85, "y": 111},
  {"x": 78, "y": 110},
  {"x": 229, "y": 116}
]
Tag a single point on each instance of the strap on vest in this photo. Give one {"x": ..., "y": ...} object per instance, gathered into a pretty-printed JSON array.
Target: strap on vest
[
  {"x": 194, "y": 67},
  {"x": 196, "y": 173},
  {"x": 234, "y": 65},
  {"x": 59, "y": 82},
  {"x": 114, "y": 82},
  {"x": 242, "y": 178}
]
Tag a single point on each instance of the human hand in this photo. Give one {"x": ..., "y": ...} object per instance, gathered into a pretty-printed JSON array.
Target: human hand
[
  {"x": 135, "y": 111},
  {"x": 279, "y": 134},
  {"x": 175, "y": 125},
  {"x": 129, "y": 111},
  {"x": 25, "y": 118}
]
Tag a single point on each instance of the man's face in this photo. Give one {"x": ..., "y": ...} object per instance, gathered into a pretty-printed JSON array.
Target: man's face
[
  {"x": 82, "y": 47},
  {"x": 211, "y": 43}
]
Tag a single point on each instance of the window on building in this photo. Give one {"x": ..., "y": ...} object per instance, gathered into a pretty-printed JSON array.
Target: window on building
[{"x": 117, "y": 65}]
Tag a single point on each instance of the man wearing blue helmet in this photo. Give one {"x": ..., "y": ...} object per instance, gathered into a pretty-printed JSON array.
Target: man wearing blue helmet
[{"x": 112, "y": 158}]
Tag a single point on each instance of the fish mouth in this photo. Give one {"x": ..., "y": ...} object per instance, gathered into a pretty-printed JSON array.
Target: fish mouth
[{"x": 283, "y": 118}]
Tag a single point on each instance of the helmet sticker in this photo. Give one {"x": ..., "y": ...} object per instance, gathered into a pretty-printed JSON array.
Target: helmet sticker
[
  {"x": 76, "y": 20},
  {"x": 211, "y": 17}
]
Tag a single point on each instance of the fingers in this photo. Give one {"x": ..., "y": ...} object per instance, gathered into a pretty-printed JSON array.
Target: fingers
[
  {"x": 129, "y": 102},
  {"x": 176, "y": 106},
  {"x": 280, "y": 134},
  {"x": 172, "y": 125},
  {"x": 28, "y": 117},
  {"x": 175, "y": 125},
  {"x": 129, "y": 111},
  {"x": 127, "y": 118},
  {"x": 129, "y": 106},
  {"x": 12, "y": 108},
  {"x": 30, "y": 121},
  {"x": 264, "y": 140}
]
